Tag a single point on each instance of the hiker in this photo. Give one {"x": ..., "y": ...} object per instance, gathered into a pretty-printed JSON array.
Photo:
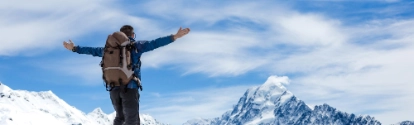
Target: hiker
[{"x": 126, "y": 102}]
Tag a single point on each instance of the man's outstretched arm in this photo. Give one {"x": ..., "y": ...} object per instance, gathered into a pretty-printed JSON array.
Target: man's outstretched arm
[
  {"x": 145, "y": 46},
  {"x": 94, "y": 51}
]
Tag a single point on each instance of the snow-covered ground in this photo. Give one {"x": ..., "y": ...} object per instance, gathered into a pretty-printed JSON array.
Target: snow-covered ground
[{"x": 20, "y": 107}]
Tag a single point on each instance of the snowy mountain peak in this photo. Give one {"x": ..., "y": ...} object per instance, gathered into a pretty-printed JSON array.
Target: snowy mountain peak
[
  {"x": 97, "y": 111},
  {"x": 270, "y": 93},
  {"x": 4, "y": 88},
  {"x": 99, "y": 116},
  {"x": 21, "y": 107},
  {"x": 272, "y": 89},
  {"x": 149, "y": 120},
  {"x": 275, "y": 83},
  {"x": 24, "y": 107},
  {"x": 271, "y": 103}
]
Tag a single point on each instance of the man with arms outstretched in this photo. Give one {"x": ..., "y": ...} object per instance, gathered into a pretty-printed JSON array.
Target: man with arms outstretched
[{"x": 126, "y": 103}]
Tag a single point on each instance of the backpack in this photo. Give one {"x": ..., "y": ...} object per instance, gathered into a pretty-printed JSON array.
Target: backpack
[{"x": 116, "y": 62}]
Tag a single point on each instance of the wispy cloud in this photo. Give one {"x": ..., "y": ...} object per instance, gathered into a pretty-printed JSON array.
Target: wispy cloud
[
  {"x": 48, "y": 23},
  {"x": 209, "y": 102},
  {"x": 238, "y": 49},
  {"x": 84, "y": 67},
  {"x": 373, "y": 74}
]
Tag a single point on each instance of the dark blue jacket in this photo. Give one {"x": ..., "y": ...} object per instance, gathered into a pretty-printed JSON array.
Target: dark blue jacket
[{"x": 142, "y": 47}]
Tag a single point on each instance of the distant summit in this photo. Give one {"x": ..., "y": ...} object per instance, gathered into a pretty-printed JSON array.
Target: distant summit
[{"x": 272, "y": 104}]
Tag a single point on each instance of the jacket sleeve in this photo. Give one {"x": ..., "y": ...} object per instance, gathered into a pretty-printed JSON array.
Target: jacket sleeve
[
  {"x": 145, "y": 46},
  {"x": 94, "y": 51}
]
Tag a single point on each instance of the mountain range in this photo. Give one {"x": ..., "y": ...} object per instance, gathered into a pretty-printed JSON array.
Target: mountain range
[
  {"x": 268, "y": 104},
  {"x": 21, "y": 107},
  {"x": 272, "y": 104}
]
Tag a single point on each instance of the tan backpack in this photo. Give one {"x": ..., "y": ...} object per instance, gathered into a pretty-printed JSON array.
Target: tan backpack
[{"x": 116, "y": 61}]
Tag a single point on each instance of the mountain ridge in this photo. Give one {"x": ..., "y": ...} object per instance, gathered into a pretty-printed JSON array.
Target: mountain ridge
[
  {"x": 21, "y": 107},
  {"x": 271, "y": 103}
]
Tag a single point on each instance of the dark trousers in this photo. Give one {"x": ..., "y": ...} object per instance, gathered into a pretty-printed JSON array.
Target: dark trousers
[{"x": 126, "y": 106}]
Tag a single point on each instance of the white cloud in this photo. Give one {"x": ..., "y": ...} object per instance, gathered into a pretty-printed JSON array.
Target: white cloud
[
  {"x": 220, "y": 54},
  {"x": 369, "y": 78},
  {"x": 309, "y": 29},
  {"x": 47, "y": 23}
]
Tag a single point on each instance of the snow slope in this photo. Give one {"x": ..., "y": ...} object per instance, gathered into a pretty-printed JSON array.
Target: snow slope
[{"x": 20, "y": 107}]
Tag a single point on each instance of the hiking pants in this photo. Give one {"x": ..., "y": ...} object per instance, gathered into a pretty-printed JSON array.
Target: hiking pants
[{"x": 126, "y": 106}]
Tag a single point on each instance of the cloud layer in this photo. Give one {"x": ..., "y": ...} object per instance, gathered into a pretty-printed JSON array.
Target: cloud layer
[{"x": 361, "y": 67}]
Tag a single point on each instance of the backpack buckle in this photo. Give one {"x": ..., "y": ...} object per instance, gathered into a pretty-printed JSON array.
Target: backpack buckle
[{"x": 111, "y": 85}]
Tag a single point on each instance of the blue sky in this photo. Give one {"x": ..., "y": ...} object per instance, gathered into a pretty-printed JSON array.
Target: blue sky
[{"x": 355, "y": 56}]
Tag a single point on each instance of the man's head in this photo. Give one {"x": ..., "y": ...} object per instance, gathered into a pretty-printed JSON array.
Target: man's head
[{"x": 128, "y": 30}]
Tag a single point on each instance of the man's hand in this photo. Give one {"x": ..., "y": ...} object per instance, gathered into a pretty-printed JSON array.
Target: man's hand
[
  {"x": 181, "y": 32},
  {"x": 68, "y": 45}
]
